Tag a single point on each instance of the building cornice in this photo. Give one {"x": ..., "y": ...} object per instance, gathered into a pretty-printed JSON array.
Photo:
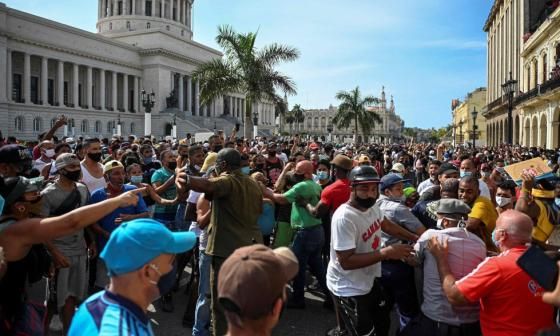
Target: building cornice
[
  {"x": 165, "y": 52},
  {"x": 493, "y": 11}
]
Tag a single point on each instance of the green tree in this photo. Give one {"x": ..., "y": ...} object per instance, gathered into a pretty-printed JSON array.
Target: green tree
[
  {"x": 245, "y": 69},
  {"x": 353, "y": 109}
]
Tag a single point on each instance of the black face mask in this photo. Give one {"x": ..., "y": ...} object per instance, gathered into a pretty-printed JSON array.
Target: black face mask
[
  {"x": 25, "y": 169},
  {"x": 218, "y": 148},
  {"x": 365, "y": 202},
  {"x": 71, "y": 175},
  {"x": 94, "y": 156},
  {"x": 299, "y": 177},
  {"x": 172, "y": 165}
]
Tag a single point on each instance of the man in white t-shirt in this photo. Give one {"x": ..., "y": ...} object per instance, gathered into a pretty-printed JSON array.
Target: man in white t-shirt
[{"x": 356, "y": 253}]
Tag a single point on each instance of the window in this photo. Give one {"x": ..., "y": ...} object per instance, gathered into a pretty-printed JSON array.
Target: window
[
  {"x": 182, "y": 32},
  {"x": 50, "y": 91},
  {"x": 98, "y": 127},
  {"x": 167, "y": 27},
  {"x": 132, "y": 128},
  {"x": 34, "y": 90},
  {"x": 148, "y": 25},
  {"x": 174, "y": 14},
  {"x": 110, "y": 127},
  {"x": 544, "y": 70},
  {"x": 149, "y": 9},
  {"x": 80, "y": 95},
  {"x": 53, "y": 121},
  {"x": 128, "y": 25},
  {"x": 85, "y": 127},
  {"x": 110, "y": 25},
  {"x": 66, "y": 93},
  {"x": 37, "y": 125},
  {"x": 19, "y": 121},
  {"x": 71, "y": 123},
  {"x": 120, "y": 8},
  {"x": 16, "y": 89}
]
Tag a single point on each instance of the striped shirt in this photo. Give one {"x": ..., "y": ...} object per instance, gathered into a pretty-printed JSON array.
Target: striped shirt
[{"x": 106, "y": 313}]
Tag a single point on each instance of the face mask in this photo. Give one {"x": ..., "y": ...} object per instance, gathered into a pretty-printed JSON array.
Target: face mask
[
  {"x": 365, "y": 202},
  {"x": 299, "y": 177},
  {"x": 166, "y": 281},
  {"x": 218, "y": 148},
  {"x": 557, "y": 201},
  {"x": 49, "y": 153},
  {"x": 136, "y": 179},
  {"x": 439, "y": 224},
  {"x": 2, "y": 202},
  {"x": 172, "y": 165},
  {"x": 465, "y": 173},
  {"x": 95, "y": 156},
  {"x": 148, "y": 160},
  {"x": 485, "y": 174},
  {"x": 71, "y": 175},
  {"x": 245, "y": 170},
  {"x": 322, "y": 175},
  {"x": 497, "y": 243},
  {"x": 502, "y": 201}
]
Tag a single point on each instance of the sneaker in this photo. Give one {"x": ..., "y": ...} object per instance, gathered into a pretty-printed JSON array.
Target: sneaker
[{"x": 167, "y": 303}]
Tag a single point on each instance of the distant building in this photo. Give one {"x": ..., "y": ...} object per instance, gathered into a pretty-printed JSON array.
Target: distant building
[
  {"x": 96, "y": 79},
  {"x": 463, "y": 120}
]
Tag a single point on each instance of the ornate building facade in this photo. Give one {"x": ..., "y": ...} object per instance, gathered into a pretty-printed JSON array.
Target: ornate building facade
[
  {"x": 463, "y": 119},
  {"x": 96, "y": 79}
]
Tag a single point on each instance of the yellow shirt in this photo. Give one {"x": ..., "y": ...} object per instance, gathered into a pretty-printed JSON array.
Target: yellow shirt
[
  {"x": 544, "y": 227},
  {"x": 485, "y": 211}
]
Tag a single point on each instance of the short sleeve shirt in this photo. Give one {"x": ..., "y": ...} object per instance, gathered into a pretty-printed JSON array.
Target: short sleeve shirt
[
  {"x": 485, "y": 211},
  {"x": 161, "y": 176},
  {"x": 300, "y": 217},
  {"x": 336, "y": 194},
  {"x": 510, "y": 301},
  {"x": 108, "y": 222},
  {"x": 399, "y": 214},
  {"x": 359, "y": 230}
]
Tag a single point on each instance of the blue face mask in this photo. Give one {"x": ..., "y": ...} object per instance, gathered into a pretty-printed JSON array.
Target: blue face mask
[
  {"x": 245, "y": 170},
  {"x": 136, "y": 179},
  {"x": 322, "y": 175},
  {"x": 496, "y": 242},
  {"x": 2, "y": 202},
  {"x": 148, "y": 160},
  {"x": 556, "y": 200},
  {"x": 465, "y": 173}
]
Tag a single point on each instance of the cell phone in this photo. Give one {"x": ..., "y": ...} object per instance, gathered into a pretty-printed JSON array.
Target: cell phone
[{"x": 540, "y": 267}]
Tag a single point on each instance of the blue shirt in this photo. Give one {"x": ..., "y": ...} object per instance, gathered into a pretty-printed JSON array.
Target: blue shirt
[
  {"x": 162, "y": 175},
  {"x": 108, "y": 222},
  {"x": 108, "y": 314}
]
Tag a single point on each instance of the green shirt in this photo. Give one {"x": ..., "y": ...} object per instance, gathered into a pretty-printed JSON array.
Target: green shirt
[
  {"x": 236, "y": 207},
  {"x": 162, "y": 175},
  {"x": 310, "y": 191}
]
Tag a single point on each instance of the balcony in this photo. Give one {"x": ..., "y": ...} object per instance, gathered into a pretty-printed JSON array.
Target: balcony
[{"x": 541, "y": 89}]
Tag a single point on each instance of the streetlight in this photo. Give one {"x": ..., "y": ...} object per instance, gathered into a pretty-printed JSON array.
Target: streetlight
[
  {"x": 148, "y": 101},
  {"x": 474, "y": 113},
  {"x": 509, "y": 88},
  {"x": 119, "y": 128},
  {"x": 330, "y": 129},
  {"x": 255, "y": 123},
  {"x": 215, "y": 127},
  {"x": 174, "y": 129},
  {"x": 461, "y": 131}
]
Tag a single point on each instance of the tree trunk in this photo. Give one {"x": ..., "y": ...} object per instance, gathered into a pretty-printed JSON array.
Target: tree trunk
[
  {"x": 248, "y": 118},
  {"x": 356, "y": 130}
]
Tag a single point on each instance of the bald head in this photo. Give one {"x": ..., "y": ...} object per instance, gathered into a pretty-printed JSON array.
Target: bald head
[
  {"x": 518, "y": 227},
  {"x": 305, "y": 168},
  {"x": 468, "y": 165}
]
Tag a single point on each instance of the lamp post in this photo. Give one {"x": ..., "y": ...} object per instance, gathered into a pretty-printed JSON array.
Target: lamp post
[
  {"x": 148, "y": 101},
  {"x": 330, "y": 129},
  {"x": 509, "y": 88},
  {"x": 215, "y": 127},
  {"x": 255, "y": 123},
  {"x": 461, "y": 131},
  {"x": 174, "y": 129},
  {"x": 454, "y": 135},
  {"x": 474, "y": 113},
  {"x": 119, "y": 128}
]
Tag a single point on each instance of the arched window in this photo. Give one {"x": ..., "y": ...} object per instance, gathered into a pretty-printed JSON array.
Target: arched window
[
  {"x": 70, "y": 123},
  {"x": 37, "y": 125},
  {"x": 53, "y": 121},
  {"x": 19, "y": 121},
  {"x": 132, "y": 128},
  {"x": 85, "y": 127},
  {"x": 98, "y": 127},
  {"x": 148, "y": 25},
  {"x": 110, "y": 127}
]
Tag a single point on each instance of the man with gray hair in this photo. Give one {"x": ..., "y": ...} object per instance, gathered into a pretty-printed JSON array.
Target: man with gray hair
[
  {"x": 510, "y": 301},
  {"x": 466, "y": 251}
]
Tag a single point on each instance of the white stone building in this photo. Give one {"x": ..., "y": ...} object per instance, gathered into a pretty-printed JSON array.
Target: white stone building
[{"x": 96, "y": 79}]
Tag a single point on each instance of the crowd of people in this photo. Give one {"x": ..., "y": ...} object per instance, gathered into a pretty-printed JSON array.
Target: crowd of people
[{"x": 428, "y": 232}]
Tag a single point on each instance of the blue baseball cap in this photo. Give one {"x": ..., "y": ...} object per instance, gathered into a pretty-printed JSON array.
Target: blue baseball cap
[
  {"x": 390, "y": 180},
  {"x": 133, "y": 244}
]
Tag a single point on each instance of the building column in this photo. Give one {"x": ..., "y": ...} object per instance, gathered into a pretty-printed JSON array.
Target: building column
[
  {"x": 196, "y": 98},
  {"x": 60, "y": 83},
  {"x": 133, "y": 7},
  {"x": 102, "y": 102},
  {"x": 89, "y": 88},
  {"x": 115, "y": 7},
  {"x": 143, "y": 7},
  {"x": 136, "y": 94},
  {"x": 243, "y": 110},
  {"x": 125, "y": 92},
  {"x": 188, "y": 14},
  {"x": 99, "y": 9},
  {"x": 153, "y": 7},
  {"x": 9, "y": 75},
  {"x": 114, "y": 92},
  {"x": 75, "y": 86},
  {"x": 189, "y": 95},
  {"x": 26, "y": 78},
  {"x": 125, "y": 7},
  {"x": 181, "y": 94}
]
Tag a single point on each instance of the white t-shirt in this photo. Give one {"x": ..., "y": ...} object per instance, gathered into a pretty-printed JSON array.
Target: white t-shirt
[{"x": 354, "y": 229}]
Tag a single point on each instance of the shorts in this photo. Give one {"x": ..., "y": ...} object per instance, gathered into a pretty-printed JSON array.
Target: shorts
[{"x": 72, "y": 280}]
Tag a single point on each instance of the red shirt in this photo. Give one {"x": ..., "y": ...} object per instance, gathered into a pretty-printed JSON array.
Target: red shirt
[
  {"x": 336, "y": 194},
  {"x": 510, "y": 301}
]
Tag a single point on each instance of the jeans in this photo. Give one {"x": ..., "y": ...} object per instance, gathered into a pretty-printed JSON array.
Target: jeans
[
  {"x": 202, "y": 312},
  {"x": 307, "y": 246},
  {"x": 180, "y": 223},
  {"x": 219, "y": 323},
  {"x": 424, "y": 326}
]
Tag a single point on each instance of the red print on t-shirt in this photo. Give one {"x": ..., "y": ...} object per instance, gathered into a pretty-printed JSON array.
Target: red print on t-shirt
[{"x": 373, "y": 228}]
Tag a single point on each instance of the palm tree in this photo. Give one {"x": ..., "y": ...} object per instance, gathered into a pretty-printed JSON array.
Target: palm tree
[
  {"x": 280, "y": 111},
  {"x": 353, "y": 108},
  {"x": 245, "y": 69},
  {"x": 299, "y": 115}
]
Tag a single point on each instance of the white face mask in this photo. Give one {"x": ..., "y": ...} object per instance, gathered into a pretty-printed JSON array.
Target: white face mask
[
  {"x": 502, "y": 201},
  {"x": 49, "y": 153},
  {"x": 439, "y": 224}
]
